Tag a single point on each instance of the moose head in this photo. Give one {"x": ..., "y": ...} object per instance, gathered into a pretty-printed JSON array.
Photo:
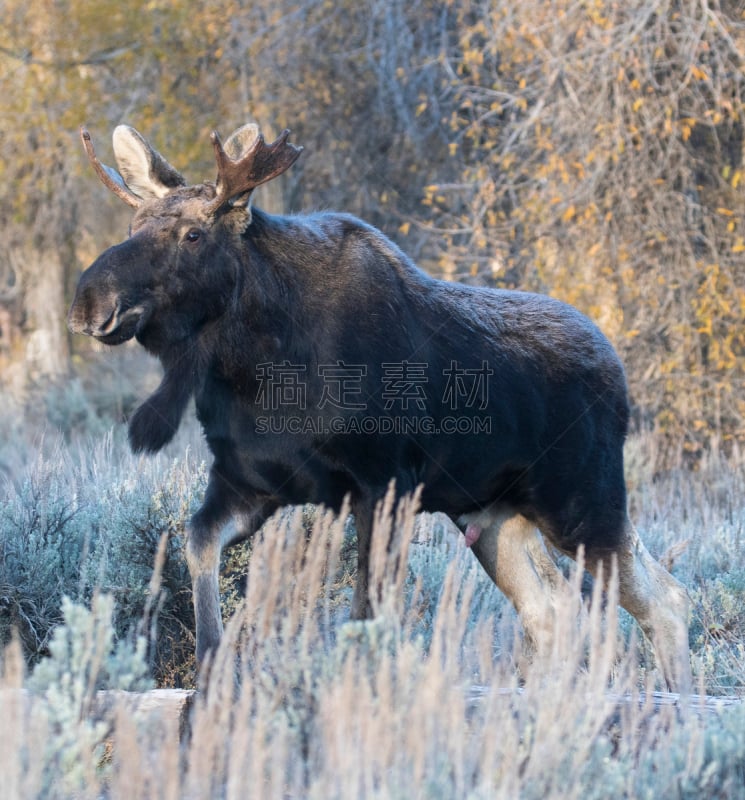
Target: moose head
[{"x": 165, "y": 279}]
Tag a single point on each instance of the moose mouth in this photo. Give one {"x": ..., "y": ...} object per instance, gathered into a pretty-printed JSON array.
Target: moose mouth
[{"x": 120, "y": 326}]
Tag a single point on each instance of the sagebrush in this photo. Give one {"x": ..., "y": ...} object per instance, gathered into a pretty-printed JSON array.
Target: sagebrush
[{"x": 302, "y": 704}]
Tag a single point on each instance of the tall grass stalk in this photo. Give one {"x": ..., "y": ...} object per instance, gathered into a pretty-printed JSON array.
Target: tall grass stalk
[{"x": 301, "y": 703}]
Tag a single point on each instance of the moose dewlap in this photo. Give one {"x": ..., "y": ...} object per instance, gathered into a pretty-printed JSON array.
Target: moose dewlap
[{"x": 324, "y": 364}]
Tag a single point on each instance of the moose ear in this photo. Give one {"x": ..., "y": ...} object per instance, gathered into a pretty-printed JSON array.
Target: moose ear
[
  {"x": 241, "y": 140},
  {"x": 237, "y": 145},
  {"x": 144, "y": 169}
]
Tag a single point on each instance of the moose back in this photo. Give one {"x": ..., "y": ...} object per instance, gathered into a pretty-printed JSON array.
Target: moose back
[{"x": 324, "y": 364}]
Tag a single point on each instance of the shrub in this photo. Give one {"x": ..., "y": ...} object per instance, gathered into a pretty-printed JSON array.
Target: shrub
[
  {"x": 85, "y": 521},
  {"x": 301, "y": 703},
  {"x": 58, "y": 740}
]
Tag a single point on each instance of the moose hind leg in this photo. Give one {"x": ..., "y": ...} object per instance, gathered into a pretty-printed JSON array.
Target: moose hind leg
[
  {"x": 657, "y": 601},
  {"x": 512, "y": 551}
]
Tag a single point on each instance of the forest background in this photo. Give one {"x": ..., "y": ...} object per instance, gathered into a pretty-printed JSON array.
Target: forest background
[{"x": 589, "y": 149}]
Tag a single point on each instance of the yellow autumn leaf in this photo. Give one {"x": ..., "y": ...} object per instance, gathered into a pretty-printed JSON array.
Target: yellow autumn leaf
[{"x": 698, "y": 73}]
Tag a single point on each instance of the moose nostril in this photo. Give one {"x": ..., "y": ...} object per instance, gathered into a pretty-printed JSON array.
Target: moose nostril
[{"x": 110, "y": 322}]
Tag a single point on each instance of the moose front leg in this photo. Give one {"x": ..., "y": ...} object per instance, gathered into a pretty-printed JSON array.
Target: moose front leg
[
  {"x": 369, "y": 586},
  {"x": 204, "y": 545},
  {"x": 363, "y": 521},
  {"x": 203, "y": 558}
]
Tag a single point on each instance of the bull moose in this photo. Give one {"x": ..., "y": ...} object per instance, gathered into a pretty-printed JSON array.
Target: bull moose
[{"x": 324, "y": 364}]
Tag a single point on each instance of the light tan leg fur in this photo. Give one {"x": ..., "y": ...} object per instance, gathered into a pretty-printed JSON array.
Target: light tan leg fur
[
  {"x": 658, "y": 602},
  {"x": 514, "y": 555}
]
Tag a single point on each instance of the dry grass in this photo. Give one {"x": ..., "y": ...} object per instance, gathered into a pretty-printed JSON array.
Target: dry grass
[{"x": 303, "y": 704}]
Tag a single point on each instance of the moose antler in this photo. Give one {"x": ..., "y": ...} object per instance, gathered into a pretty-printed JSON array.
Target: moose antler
[
  {"x": 109, "y": 177},
  {"x": 261, "y": 162}
]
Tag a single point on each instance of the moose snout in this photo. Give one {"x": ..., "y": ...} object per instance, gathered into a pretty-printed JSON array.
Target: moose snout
[
  {"x": 91, "y": 315},
  {"x": 112, "y": 301},
  {"x": 104, "y": 316}
]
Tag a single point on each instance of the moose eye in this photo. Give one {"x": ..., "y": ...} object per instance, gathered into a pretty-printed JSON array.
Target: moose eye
[{"x": 193, "y": 235}]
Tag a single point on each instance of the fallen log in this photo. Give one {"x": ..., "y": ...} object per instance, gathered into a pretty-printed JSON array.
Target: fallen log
[
  {"x": 697, "y": 703},
  {"x": 171, "y": 706}
]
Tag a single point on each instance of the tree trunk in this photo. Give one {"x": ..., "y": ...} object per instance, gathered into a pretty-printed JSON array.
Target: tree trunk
[{"x": 33, "y": 338}]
